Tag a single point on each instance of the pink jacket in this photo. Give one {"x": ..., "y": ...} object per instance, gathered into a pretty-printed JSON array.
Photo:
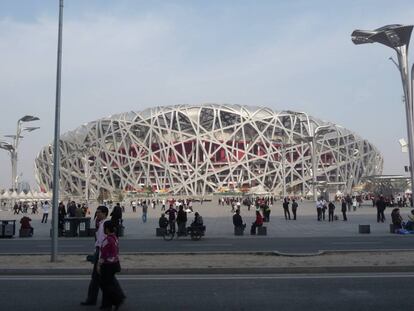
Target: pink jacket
[{"x": 109, "y": 250}]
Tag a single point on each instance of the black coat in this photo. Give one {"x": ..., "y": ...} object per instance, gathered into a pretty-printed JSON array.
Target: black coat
[
  {"x": 237, "y": 220},
  {"x": 116, "y": 213},
  {"x": 181, "y": 216}
]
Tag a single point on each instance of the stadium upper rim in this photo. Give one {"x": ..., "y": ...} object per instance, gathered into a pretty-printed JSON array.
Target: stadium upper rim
[{"x": 243, "y": 110}]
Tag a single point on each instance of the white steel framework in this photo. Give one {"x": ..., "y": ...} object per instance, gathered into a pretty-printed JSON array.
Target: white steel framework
[{"x": 198, "y": 149}]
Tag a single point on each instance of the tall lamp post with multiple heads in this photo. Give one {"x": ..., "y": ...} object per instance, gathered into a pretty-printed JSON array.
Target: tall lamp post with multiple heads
[
  {"x": 396, "y": 37},
  {"x": 13, "y": 147}
]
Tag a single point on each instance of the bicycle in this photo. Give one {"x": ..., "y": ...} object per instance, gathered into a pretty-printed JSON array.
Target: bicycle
[
  {"x": 168, "y": 234},
  {"x": 170, "y": 231}
]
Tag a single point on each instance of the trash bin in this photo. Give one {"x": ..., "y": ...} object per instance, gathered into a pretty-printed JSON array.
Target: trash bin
[
  {"x": 70, "y": 227},
  {"x": 7, "y": 228},
  {"x": 77, "y": 226},
  {"x": 84, "y": 226}
]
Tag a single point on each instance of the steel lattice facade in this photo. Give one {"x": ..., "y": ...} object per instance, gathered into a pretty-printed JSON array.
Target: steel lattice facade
[{"x": 198, "y": 149}]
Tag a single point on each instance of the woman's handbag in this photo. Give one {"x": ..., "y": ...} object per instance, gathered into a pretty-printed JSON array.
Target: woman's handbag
[{"x": 117, "y": 267}]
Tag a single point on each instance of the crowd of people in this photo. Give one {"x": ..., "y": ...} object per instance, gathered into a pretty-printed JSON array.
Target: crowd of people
[
  {"x": 24, "y": 207},
  {"x": 179, "y": 218}
]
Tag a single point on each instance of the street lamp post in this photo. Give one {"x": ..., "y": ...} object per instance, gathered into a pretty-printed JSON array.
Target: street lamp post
[
  {"x": 284, "y": 169},
  {"x": 13, "y": 147},
  {"x": 56, "y": 145},
  {"x": 396, "y": 37},
  {"x": 8, "y": 147}
]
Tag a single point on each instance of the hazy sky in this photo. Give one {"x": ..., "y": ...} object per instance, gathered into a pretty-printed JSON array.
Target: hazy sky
[{"x": 125, "y": 55}]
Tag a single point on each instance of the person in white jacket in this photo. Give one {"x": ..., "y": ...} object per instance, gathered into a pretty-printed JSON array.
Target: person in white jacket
[{"x": 45, "y": 208}]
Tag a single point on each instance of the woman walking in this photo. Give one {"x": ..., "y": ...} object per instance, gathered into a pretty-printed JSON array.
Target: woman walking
[{"x": 112, "y": 294}]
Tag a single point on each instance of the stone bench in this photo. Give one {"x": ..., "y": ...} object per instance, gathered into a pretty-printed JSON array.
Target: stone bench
[
  {"x": 364, "y": 229},
  {"x": 261, "y": 230},
  {"x": 238, "y": 230},
  {"x": 160, "y": 231},
  {"x": 25, "y": 233}
]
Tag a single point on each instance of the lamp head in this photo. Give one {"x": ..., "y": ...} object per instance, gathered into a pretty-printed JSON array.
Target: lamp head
[
  {"x": 393, "y": 36},
  {"x": 13, "y": 136},
  {"x": 6, "y": 146},
  {"x": 31, "y": 128},
  {"x": 28, "y": 119}
]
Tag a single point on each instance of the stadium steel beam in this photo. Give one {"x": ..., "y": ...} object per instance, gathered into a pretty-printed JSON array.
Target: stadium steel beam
[
  {"x": 314, "y": 133},
  {"x": 396, "y": 37},
  {"x": 284, "y": 143}
]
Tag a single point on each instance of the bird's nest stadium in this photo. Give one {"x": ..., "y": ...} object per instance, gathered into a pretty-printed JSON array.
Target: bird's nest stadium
[{"x": 209, "y": 148}]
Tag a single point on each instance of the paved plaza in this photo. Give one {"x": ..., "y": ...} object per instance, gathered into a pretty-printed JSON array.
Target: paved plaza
[{"x": 218, "y": 220}]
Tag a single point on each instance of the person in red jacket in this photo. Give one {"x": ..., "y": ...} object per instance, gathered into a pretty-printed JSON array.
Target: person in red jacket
[
  {"x": 108, "y": 265},
  {"x": 257, "y": 223},
  {"x": 25, "y": 224}
]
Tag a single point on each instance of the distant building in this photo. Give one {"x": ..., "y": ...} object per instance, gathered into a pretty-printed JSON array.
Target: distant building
[{"x": 202, "y": 149}]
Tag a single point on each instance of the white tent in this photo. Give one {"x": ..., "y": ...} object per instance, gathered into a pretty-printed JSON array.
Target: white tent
[
  {"x": 258, "y": 190},
  {"x": 5, "y": 196},
  {"x": 43, "y": 195},
  {"x": 14, "y": 195},
  {"x": 29, "y": 195},
  {"x": 36, "y": 195},
  {"x": 22, "y": 195},
  {"x": 310, "y": 193},
  {"x": 339, "y": 193},
  {"x": 408, "y": 191}
]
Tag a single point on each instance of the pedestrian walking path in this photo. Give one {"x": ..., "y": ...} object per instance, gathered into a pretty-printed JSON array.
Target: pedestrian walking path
[{"x": 218, "y": 220}]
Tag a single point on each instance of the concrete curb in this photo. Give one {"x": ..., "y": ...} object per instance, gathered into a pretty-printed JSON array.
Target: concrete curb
[
  {"x": 192, "y": 253},
  {"x": 210, "y": 271}
]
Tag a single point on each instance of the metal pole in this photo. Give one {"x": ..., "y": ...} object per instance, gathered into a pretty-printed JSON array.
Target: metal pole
[
  {"x": 402, "y": 54},
  {"x": 13, "y": 156},
  {"x": 87, "y": 179},
  {"x": 411, "y": 131},
  {"x": 56, "y": 157},
  {"x": 283, "y": 169},
  {"x": 315, "y": 195}
]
